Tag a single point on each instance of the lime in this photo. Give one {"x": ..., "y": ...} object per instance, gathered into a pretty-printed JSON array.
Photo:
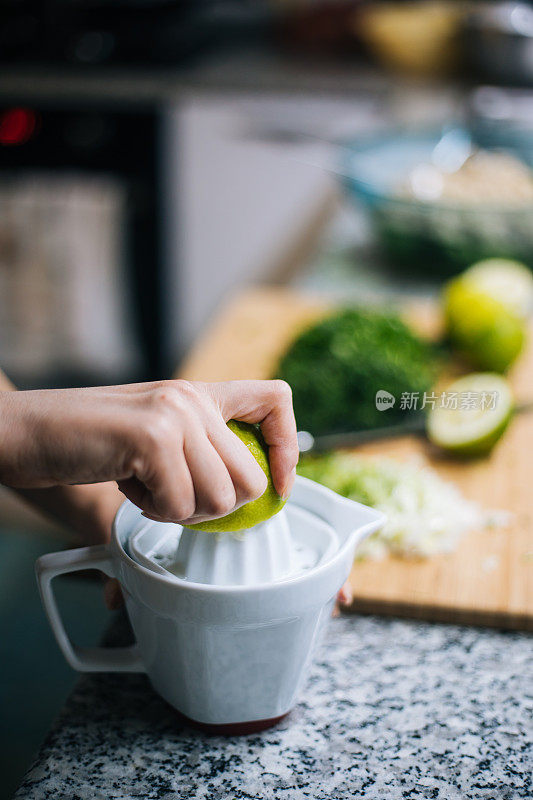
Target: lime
[
  {"x": 473, "y": 413},
  {"x": 255, "y": 511},
  {"x": 485, "y": 330},
  {"x": 508, "y": 281}
]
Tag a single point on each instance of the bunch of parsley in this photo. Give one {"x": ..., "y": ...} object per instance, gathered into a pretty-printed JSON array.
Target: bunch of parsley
[{"x": 337, "y": 366}]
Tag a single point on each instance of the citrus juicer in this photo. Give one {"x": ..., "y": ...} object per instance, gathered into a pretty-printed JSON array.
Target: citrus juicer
[
  {"x": 279, "y": 548},
  {"x": 224, "y": 624}
]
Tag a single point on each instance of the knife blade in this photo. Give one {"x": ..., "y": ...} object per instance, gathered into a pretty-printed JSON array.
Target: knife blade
[{"x": 414, "y": 426}]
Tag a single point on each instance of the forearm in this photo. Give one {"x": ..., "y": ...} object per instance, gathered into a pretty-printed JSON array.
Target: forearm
[{"x": 86, "y": 511}]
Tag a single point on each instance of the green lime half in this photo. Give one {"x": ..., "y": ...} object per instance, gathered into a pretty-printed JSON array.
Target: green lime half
[
  {"x": 256, "y": 511},
  {"x": 472, "y": 414}
]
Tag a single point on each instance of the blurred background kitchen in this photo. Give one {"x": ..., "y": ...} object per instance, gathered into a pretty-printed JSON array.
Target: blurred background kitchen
[{"x": 157, "y": 156}]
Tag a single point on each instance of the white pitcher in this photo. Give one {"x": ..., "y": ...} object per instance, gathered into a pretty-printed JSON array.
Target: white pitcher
[{"x": 231, "y": 658}]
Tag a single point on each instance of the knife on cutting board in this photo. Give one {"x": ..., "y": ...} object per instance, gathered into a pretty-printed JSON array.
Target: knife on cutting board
[{"x": 415, "y": 425}]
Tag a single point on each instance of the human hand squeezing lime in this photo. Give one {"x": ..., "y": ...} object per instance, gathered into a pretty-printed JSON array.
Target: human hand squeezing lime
[{"x": 166, "y": 444}]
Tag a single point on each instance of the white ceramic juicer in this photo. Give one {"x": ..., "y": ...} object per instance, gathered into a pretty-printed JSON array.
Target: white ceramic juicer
[{"x": 225, "y": 624}]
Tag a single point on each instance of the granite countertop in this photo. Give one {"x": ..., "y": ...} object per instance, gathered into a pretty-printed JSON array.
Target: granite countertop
[{"x": 391, "y": 710}]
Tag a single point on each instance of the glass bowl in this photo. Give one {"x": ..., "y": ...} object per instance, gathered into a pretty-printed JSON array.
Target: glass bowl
[{"x": 439, "y": 236}]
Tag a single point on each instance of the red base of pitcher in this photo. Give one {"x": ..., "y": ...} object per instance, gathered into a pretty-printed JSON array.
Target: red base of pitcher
[{"x": 233, "y": 728}]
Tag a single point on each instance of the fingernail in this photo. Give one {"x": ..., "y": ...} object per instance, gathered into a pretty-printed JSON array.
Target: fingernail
[{"x": 289, "y": 485}]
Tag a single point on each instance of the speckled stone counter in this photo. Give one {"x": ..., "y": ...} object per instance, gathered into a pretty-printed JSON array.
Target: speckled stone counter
[{"x": 391, "y": 710}]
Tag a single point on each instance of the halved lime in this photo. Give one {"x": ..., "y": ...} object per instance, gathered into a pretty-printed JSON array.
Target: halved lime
[
  {"x": 255, "y": 511},
  {"x": 471, "y": 414}
]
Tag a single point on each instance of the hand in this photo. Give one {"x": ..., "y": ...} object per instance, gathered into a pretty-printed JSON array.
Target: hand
[{"x": 166, "y": 444}]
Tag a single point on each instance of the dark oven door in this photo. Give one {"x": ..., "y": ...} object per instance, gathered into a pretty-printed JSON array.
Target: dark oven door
[{"x": 63, "y": 168}]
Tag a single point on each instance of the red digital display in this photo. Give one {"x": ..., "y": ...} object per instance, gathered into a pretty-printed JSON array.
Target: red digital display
[{"x": 17, "y": 126}]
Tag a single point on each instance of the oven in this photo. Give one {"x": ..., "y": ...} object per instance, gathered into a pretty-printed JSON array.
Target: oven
[{"x": 81, "y": 253}]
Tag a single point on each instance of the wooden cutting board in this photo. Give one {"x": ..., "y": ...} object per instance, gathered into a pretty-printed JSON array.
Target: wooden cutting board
[{"x": 488, "y": 580}]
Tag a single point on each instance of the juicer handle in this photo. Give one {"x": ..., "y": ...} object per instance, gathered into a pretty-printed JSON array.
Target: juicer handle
[{"x": 82, "y": 659}]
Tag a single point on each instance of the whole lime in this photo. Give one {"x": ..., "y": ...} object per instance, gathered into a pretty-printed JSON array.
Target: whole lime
[
  {"x": 486, "y": 331},
  {"x": 508, "y": 281},
  {"x": 255, "y": 511}
]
